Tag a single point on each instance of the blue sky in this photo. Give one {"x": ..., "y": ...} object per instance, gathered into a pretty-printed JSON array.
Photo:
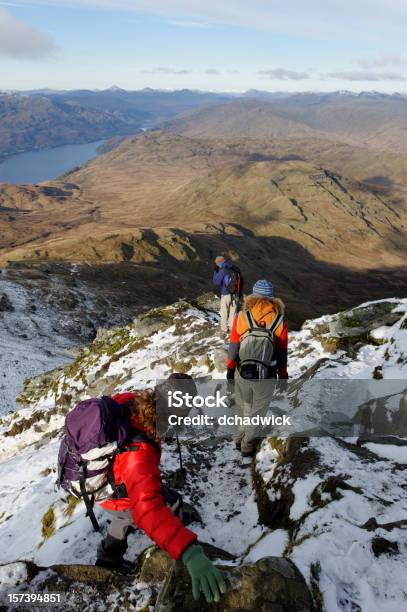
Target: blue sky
[{"x": 229, "y": 45}]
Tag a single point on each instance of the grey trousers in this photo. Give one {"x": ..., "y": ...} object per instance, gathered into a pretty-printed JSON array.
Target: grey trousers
[
  {"x": 228, "y": 308},
  {"x": 120, "y": 525},
  {"x": 252, "y": 398},
  {"x": 114, "y": 545}
]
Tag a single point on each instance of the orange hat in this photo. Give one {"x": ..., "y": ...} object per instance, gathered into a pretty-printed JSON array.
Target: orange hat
[{"x": 219, "y": 260}]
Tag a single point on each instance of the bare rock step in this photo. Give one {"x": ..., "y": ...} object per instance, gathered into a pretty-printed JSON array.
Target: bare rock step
[{"x": 272, "y": 583}]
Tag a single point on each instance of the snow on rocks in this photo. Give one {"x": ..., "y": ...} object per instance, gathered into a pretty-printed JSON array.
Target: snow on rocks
[
  {"x": 326, "y": 510},
  {"x": 309, "y": 499},
  {"x": 369, "y": 341}
]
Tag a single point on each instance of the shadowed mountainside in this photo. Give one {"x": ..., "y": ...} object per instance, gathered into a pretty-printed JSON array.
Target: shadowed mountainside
[{"x": 308, "y": 287}]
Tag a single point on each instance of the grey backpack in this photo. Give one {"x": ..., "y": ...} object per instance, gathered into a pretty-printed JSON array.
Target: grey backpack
[{"x": 256, "y": 353}]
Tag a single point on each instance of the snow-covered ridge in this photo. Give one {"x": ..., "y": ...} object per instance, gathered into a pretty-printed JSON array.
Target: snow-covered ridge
[{"x": 309, "y": 499}]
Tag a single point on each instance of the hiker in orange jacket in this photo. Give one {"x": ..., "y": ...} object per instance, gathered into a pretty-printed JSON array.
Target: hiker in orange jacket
[{"x": 257, "y": 353}]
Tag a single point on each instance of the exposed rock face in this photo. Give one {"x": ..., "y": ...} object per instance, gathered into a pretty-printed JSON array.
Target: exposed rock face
[
  {"x": 364, "y": 319},
  {"x": 272, "y": 583}
]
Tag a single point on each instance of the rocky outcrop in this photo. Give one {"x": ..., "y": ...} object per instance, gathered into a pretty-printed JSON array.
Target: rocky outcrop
[
  {"x": 347, "y": 330},
  {"x": 113, "y": 356},
  {"x": 270, "y": 583},
  {"x": 295, "y": 459},
  {"x": 80, "y": 587}
]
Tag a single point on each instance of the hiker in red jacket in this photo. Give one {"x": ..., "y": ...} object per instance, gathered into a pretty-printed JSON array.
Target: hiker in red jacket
[{"x": 146, "y": 504}]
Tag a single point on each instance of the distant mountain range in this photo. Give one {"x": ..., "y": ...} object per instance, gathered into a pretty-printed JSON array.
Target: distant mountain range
[
  {"x": 36, "y": 122},
  {"x": 149, "y": 104},
  {"x": 370, "y": 120},
  {"x": 45, "y": 118}
]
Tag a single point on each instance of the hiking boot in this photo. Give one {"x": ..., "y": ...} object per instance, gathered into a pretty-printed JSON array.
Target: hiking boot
[{"x": 121, "y": 566}]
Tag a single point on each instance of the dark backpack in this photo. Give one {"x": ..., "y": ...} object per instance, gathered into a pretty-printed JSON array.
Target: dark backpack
[
  {"x": 256, "y": 352},
  {"x": 96, "y": 430},
  {"x": 234, "y": 281}
]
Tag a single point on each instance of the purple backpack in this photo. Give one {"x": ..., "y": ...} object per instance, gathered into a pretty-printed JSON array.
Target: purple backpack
[{"x": 95, "y": 432}]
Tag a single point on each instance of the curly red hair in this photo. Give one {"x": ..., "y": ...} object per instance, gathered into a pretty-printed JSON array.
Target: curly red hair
[{"x": 143, "y": 410}]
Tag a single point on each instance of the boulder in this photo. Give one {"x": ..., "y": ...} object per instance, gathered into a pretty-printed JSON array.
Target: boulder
[
  {"x": 272, "y": 583},
  {"x": 154, "y": 565},
  {"x": 208, "y": 301},
  {"x": 363, "y": 320}
]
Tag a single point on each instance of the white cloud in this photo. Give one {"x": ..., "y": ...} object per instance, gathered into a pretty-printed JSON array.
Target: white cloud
[
  {"x": 188, "y": 24},
  {"x": 212, "y": 71},
  {"x": 19, "y": 40},
  {"x": 381, "y": 61},
  {"x": 361, "y": 75},
  {"x": 165, "y": 70},
  {"x": 281, "y": 74},
  {"x": 362, "y": 19}
]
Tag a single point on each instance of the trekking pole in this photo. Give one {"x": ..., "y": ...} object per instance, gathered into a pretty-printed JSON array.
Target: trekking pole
[{"x": 179, "y": 454}]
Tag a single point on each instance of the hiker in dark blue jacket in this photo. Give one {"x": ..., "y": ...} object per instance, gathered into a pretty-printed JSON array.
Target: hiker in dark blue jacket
[{"x": 228, "y": 278}]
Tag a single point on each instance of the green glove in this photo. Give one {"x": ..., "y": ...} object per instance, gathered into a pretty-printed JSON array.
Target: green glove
[{"x": 204, "y": 575}]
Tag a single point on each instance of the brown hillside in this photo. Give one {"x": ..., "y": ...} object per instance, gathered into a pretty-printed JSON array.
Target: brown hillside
[
  {"x": 240, "y": 119},
  {"x": 372, "y": 122},
  {"x": 160, "y": 180}
]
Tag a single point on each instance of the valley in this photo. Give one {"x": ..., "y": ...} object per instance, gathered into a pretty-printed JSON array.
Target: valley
[
  {"x": 167, "y": 202},
  {"x": 140, "y": 225}
]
